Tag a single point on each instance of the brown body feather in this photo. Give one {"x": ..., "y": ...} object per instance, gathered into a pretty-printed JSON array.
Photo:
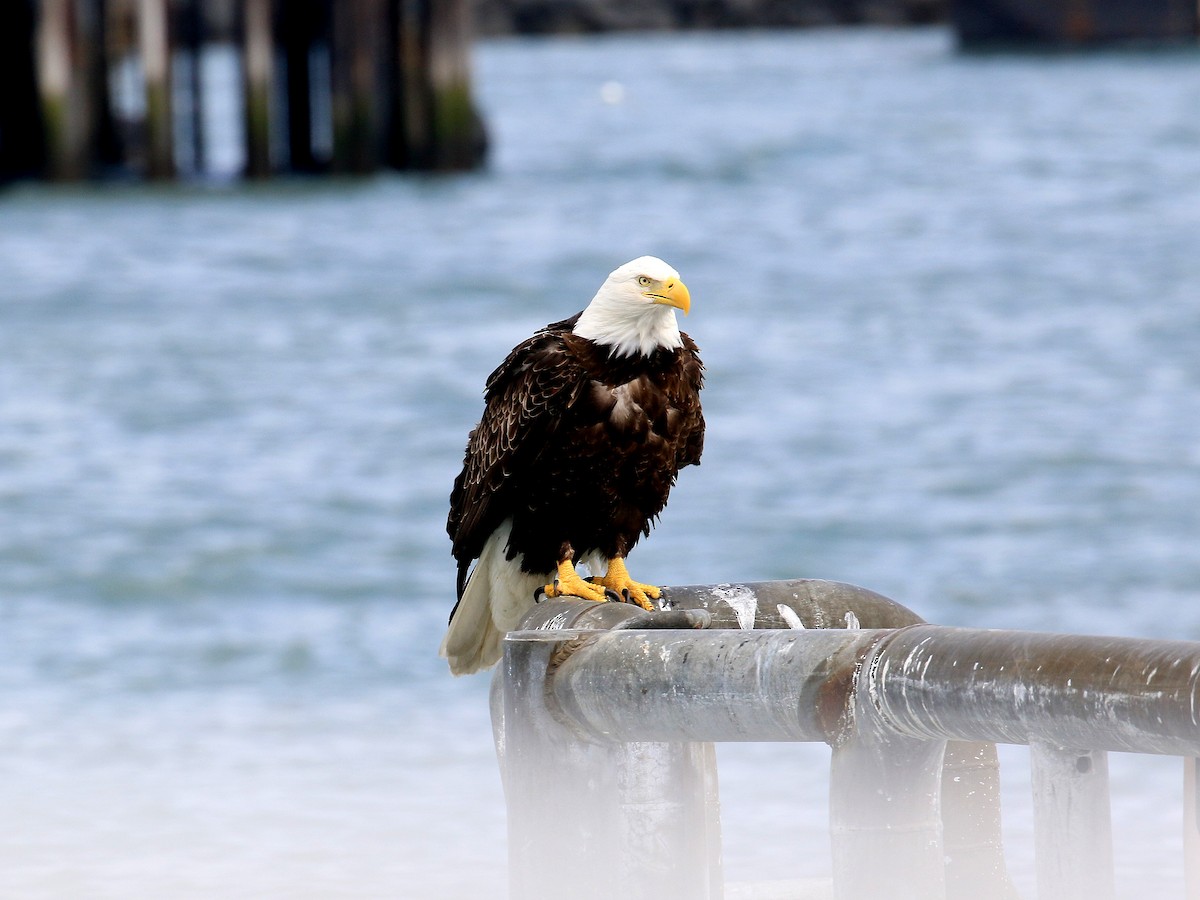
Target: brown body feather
[{"x": 575, "y": 445}]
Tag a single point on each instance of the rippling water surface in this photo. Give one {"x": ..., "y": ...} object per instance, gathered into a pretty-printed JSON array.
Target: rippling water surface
[{"x": 950, "y": 309}]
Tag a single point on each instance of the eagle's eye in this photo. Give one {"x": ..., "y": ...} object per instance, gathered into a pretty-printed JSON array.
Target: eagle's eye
[{"x": 643, "y": 281}]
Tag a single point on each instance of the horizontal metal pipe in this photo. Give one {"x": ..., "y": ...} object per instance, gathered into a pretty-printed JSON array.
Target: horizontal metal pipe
[
  {"x": 926, "y": 681},
  {"x": 708, "y": 685},
  {"x": 815, "y": 602},
  {"x": 1096, "y": 693},
  {"x": 799, "y": 602}
]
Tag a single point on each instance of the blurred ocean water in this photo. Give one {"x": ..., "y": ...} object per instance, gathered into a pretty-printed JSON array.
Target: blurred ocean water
[{"x": 950, "y": 309}]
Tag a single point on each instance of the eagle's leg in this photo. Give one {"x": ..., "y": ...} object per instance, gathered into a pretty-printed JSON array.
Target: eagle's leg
[
  {"x": 568, "y": 582},
  {"x": 617, "y": 579}
]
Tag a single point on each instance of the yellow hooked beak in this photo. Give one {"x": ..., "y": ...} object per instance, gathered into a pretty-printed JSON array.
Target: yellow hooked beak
[{"x": 672, "y": 293}]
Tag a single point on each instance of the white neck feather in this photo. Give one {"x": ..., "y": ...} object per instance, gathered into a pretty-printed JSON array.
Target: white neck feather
[{"x": 642, "y": 328}]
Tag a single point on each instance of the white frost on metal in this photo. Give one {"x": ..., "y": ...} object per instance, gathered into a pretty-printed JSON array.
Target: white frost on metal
[
  {"x": 852, "y": 620},
  {"x": 789, "y": 615},
  {"x": 554, "y": 624},
  {"x": 741, "y": 600}
]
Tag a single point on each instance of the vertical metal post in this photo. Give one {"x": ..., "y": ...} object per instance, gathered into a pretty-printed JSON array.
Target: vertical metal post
[
  {"x": 557, "y": 788},
  {"x": 634, "y": 820},
  {"x": 884, "y": 817},
  {"x": 884, "y": 803},
  {"x": 1072, "y": 823},
  {"x": 154, "y": 38},
  {"x": 669, "y": 821},
  {"x": 1191, "y": 826},
  {"x": 973, "y": 842}
]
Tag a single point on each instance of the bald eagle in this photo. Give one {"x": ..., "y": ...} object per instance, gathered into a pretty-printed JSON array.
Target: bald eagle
[{"x": 585, "y": 428}]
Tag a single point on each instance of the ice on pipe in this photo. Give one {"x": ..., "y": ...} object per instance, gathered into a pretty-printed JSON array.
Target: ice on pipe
[
  {"x": 555, "y": 623},
  {"x": 741, "y": 600},
  {"x": 852, "y": 620},
  {"x": 789, "y": 615}
]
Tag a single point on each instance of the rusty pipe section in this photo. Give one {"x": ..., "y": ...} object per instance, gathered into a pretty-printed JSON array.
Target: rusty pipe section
[
  {"x": 1073, "y": 691},
  {"x": 924, "y": 681}
]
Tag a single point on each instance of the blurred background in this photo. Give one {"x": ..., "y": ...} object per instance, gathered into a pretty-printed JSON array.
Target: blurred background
[{"x": 949, "y": 304}]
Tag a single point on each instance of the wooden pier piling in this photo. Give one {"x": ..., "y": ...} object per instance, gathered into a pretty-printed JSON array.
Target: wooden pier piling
[
  {"x": 348, "y": 86},
  {"x": 411, "y": 109},
  {"x": 155, "y": 39},
  {"x": 257, "y": 63},
  {"x": 66, "y": 44},
  {"x": 450, "y": 83},
  {"x": 356, "y": 59}
]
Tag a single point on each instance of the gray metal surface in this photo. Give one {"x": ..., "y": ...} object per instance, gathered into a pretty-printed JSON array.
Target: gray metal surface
[
  {"x": 971, "y": 850},
  {"x": 813, "y": 603},
  {"x": 816, "y": 603},
  {"x": 598, "y": 819},
  {"x": 927, "y": 681},
  {"x": 1099, "y": 693},
  {"x": 1072, "y": 823},
  {"x": 1191, "y": 827},
  {"x": 907, "y": 708}
]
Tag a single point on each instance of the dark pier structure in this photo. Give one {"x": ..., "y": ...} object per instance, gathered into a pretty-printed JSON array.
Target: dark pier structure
[
  {"x": 1074, "y": 23},
  {"x": 125, "y": 88}
]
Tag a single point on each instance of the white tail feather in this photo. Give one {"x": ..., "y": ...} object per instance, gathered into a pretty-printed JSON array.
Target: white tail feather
[{"x": 496, "y": 597}]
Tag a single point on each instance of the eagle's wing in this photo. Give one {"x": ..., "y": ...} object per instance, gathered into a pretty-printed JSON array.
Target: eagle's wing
[
  {"x": 525, "y": 400},
  {"x": 693, "y": 374}
]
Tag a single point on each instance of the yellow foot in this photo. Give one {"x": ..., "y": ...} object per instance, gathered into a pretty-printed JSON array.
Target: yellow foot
[
  {"x": 568, "y": 583},
  {"x": 617, "y": 580}
]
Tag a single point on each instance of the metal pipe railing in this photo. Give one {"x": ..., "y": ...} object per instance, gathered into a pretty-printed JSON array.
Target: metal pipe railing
[
  {"x": 1099, "y": 693},
  {"x": 616, "y": 727}
]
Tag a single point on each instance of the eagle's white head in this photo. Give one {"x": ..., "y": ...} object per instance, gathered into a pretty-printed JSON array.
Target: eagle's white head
[{"x": 634, "y": 310}]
